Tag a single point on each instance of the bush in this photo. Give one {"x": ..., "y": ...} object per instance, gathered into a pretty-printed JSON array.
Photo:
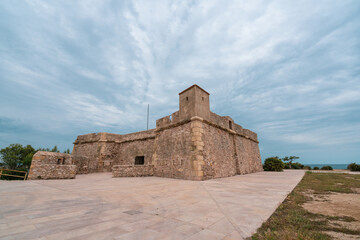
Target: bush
[
  {"x": 307, "y": 167},
  {"x": 354, "y": 167},
  {"x": 326, "y": 168},
  {"x": 296, "y": 165},
  {"x": 273, "y": 164},
  {"x": 316, "y": 168}
]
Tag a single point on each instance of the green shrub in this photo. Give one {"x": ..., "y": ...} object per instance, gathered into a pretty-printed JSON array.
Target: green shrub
[
  {"x": 307, "y": 167},
  {"x": 296, "y": 165},
  {"x": 273, "y": 164},
  {"x": 354, "y": 167},
  {"x": 316, "y": 168},
  {"x": 326, "y": 168}
]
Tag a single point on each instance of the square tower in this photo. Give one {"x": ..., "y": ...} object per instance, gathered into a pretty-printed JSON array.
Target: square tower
[{"x": 194, "y": 101}]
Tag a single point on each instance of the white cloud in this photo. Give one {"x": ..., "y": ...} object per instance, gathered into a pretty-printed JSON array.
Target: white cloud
[{"x": 289, "y": 70}]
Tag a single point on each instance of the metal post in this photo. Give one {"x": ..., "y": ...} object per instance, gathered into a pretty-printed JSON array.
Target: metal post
[{"x": 147, "y": 122}]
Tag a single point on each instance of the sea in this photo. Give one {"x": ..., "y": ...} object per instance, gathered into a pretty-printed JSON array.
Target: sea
[{"x": 334, "y": 166}]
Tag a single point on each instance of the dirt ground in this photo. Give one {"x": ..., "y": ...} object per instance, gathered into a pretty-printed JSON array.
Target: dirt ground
[{"x": 338, "y": 204}]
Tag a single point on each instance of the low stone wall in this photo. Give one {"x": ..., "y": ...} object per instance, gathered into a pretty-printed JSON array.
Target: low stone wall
[
  {"x": 51, "y": 171},
  {"x": 132, "y": 170},
  {"x": 51, "y": 165}
]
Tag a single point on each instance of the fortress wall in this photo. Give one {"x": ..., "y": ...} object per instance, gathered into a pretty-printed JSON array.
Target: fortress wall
[
  {"x": 133, "y": 170},
  {"x": 84, "y": 165},
  {"x": 248, "y": 154},
  {"x": 127, "y": 151},
  {"x": 218, "y": 153},
  {"x": 91, "y": 137},
  {"x": 219, "y": 120},
  {"x": 91, "y": 150},
  {"x": 223, "y": 122},
  {"x": 88, "y": 146},
  {"x": 173, "y": 152},
  {"x": 108, "y": 152},
  {"x": 162, "y": 122},
  {"x": 105, "y": 149},
  {"x": 250, "y": 134},
  {"x": 168, "y": 120},
  {"x": 175, "y": 117},
  {"x": 137, "y": 136}
]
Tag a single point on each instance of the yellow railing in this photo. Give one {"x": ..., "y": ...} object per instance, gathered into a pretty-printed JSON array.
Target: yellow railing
[{"x": 10, "y": 170}]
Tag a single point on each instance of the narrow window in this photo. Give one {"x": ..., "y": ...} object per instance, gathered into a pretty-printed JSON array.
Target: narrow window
[
  {"x": 203, "y": 98},
  {"x": 139, "y": 160},
  {"x": 230, "y": 124},
  {"x": 61, "y": 161},
  {"x": 187, "y": 99}
]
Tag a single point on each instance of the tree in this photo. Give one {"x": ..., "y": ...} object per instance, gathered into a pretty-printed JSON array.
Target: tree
[
  {"x": 54, "y": 149},
  {"x": 273, "y": 164},
  {"x": 67, "y": 151},
  {"x": 289, "y": 160},
  {"x": 15, "y": 156}
]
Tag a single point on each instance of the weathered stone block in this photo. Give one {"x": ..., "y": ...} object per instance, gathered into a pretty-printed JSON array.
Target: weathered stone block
[
  {"x": 132, "y": 170},
  {"x": 50, "y": 165}
]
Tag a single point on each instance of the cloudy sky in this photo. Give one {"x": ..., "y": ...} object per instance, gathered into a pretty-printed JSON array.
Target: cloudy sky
[{"x": 288, "y": 70}]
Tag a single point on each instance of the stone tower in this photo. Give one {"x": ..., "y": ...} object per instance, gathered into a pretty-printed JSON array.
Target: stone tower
[{"x": 194, "y": 101}]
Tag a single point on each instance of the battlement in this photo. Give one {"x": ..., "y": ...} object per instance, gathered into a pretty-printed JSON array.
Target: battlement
[
  {"x": 111, "y": 137},
  {"x": 194, "y": 102}
]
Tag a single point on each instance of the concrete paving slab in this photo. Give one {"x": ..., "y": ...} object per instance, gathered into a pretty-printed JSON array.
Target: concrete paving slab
[{"x": 97, "y": 206}]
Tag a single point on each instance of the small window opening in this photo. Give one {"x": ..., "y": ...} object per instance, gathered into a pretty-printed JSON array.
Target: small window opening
[
  {"x": 203, "y": 98},
  {"x": 187, "y": 99},
  {"x": 230, "y": 124},
  {"x": 139, "y": 160},
  {"x": 61, "y": 161}
]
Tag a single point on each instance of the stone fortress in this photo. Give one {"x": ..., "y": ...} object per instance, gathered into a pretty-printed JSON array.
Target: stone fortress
[{"x": 192, "y": 143}]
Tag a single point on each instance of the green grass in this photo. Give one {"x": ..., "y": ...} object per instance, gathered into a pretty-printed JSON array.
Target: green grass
[{"x": 291, "y": 221}]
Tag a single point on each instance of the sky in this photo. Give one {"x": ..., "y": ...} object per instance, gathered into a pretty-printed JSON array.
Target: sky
[{"x": 287, "y": 70}]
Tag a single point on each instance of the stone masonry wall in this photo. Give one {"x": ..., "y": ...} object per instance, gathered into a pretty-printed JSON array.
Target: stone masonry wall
[
  {"x": 219, "y": 153},
  {"x": 84, "y": 164},
  {"x": 173, "y": 152},
  {"x": 90, "y": 150},
  {"x": 106, "y": 149},
  {"x": 50, "y": 171},
  {"x": 197, "y": 148},
  {"x": 248, "y": 155},
  {"x": 129, "y": 150},
  {"x": 132, "y": 170},
  {"x": 51, "y": 165}
]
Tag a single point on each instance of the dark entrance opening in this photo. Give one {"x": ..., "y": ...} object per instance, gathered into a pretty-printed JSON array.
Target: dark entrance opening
[
  {"x": 230, "y": 124},
  {"x": 61, "y": 161},
  {"x": 139, "y": 160}
]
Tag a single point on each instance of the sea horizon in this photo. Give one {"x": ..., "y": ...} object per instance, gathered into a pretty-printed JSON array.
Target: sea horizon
[{"x": 334, "y": 166}]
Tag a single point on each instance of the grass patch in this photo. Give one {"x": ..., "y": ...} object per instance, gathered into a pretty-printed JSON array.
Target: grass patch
[{"x": 291, "y": 221}]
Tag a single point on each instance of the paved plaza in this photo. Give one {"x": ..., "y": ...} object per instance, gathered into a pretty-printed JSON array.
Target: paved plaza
[{"x": 97, "y": 206}]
